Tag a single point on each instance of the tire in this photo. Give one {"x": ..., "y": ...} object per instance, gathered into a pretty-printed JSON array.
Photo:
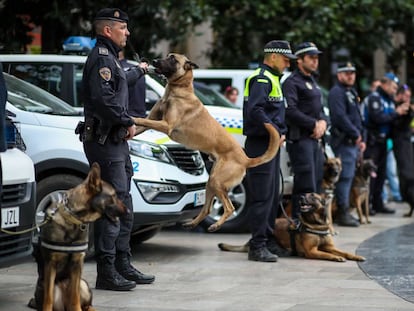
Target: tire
[
  {"x": 145, "y": 235},
  {"x": 51, "y": 188},
  {"x": 236, "y": 223}
]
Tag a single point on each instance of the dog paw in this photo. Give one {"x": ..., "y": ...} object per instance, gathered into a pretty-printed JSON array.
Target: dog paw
[
  {"x": 360, "y": 258},
  {"x": 188, "y": 225},
  {"x": 213, "y": 227},
  {"x": 339, "y": 259}
]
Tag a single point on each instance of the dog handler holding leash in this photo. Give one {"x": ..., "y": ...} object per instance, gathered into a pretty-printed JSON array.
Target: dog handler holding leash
[
  {"x": 264, "y": 103},
  {"x": 108, "y": 126}
]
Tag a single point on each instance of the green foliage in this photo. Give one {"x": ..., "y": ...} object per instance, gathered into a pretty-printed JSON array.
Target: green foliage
[{"x": 241, "y": 27}]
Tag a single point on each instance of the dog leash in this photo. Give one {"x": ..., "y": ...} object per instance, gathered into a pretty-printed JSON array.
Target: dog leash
[{"x": 26, "y": 230}]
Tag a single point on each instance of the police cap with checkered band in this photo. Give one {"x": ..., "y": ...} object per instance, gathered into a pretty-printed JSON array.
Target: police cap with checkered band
[{"x": 279, "y": 47}]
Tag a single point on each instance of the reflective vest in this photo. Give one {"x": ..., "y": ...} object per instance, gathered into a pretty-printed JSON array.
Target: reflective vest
[{"x": 276, "y": 92}]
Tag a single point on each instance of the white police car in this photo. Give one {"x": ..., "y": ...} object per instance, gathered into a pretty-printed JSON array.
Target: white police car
[{"x": 168, "y": 182}]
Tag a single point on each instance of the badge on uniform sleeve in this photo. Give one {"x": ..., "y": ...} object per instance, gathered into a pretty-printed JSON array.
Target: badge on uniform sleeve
[
  {"x": 308, "y": 85},
  {"x": 105, "y": 73},
  {"x": 375, "y": 105}
]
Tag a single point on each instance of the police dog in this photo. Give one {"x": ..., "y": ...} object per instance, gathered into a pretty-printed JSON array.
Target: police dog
[
  {"x": 312, "y": 238},
  {"x": 64, "y": 240},
  {"x": 359, "y": 196},
  {"x": 182, "y": 116},
  {"x": 332, "y": 169}
]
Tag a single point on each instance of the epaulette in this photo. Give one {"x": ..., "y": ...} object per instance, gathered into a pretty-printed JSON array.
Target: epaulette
[{"x": 103, "y": 51}]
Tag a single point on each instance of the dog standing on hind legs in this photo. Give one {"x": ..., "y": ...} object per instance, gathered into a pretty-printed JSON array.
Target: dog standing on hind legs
[
  {"x": 182, "y": 116},
  {"x": 63, "y": 241}
]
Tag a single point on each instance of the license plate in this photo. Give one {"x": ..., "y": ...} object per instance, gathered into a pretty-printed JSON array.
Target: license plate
[
  {"x": 10, "y": 217},
  {"x": 199, "y": 198}
]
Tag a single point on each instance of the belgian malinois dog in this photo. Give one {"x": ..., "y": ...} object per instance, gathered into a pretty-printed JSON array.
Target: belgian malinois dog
[
  {"x": 182, "y": 116},
  {"x": 64, "y": 239},
  {"x": 311, "y": 239},
  {"x": 359, "y": 196}
]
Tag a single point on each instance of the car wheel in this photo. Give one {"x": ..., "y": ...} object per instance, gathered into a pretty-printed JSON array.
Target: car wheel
[
  {"x": 145, "y": 235},
  {"x": 238, "y": 222},
  {"x": 50, "y": 189}
]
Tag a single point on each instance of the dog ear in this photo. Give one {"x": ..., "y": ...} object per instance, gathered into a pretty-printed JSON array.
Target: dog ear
[
  {"x": 93, "y": 180},
  {"x": 190, "y": 65}
]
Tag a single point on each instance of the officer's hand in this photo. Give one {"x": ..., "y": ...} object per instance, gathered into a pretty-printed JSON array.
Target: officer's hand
[
  {"x": 402, "y": 109},
  {"x": 144, "y": 67},
  {"x": 131, "y": 132},
  {"x": 362, "y": 146},
  {"x": 282, "y": 140}
]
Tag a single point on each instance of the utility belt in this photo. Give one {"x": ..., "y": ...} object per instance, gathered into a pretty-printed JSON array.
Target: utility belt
[
  {"x": 92, "y": 130},
  {"x": 377, "y": 138},
  {"x": 338, "y": 137}
]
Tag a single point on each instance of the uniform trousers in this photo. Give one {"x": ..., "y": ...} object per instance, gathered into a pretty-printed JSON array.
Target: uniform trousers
[
  {"x": 348, "y": 155},
  {"x": 377, "y": 151},
  {"x": 307, "y": 158},
  {"x": 263, "y": 185},
  {"x": 116, "y": 169}
]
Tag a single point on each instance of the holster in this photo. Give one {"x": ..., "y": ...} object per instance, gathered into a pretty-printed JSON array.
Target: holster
[
  {"x": 88, "y": 133},
  {"x": 80, "y": 130}
]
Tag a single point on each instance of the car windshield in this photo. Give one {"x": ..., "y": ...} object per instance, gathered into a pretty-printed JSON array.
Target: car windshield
[{"x": 28, "y": 97}]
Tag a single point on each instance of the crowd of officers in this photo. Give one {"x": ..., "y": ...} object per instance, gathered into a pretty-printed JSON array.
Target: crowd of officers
[{"x": 358, "y": 129}]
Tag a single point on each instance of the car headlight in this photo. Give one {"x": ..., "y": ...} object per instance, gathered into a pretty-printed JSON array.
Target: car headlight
[
  {"x": 158, "y": 192},
  {"x": 147, "y": 150}
]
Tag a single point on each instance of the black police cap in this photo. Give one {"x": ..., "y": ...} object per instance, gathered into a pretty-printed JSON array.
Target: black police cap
[
  {"x": 346, "y": 67},
  {"x": 112, "y": 14},
  {"x": 308, "y": 48},
  {"x": 279, "y": 47}
]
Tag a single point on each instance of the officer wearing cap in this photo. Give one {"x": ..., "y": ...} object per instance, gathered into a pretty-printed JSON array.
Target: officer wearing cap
[
  {"x": 379, "y": 113},
  {"x": 306, "y": 124},
  {"x": 347, "y": 136},
  {"x": 108, "y": 126},
  {"x": 264, "y": 103}
]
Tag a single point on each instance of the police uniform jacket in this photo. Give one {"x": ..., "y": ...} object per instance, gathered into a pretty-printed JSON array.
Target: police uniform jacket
[
  {"x": 304, "y": 102},
  {"x": 380, "y": 113},
  {"x": 259, "y": 107},
  {"x": 344, "y": 112},
  {"x": 105, "y": 86}
]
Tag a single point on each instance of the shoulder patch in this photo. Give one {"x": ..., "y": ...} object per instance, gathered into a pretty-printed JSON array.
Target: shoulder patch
[
  {"x": 103, "y": 51},
  {"x": 375, "y": 105},
  {"x": 105, "y": 73}
]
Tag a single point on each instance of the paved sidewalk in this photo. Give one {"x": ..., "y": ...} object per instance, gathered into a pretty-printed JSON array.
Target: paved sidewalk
[{"x": 193, "y": 274}]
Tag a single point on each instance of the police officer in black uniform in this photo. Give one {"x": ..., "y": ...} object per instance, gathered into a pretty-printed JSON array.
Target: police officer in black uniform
[
  {"x": 347, "y": 136},
  {"x": 379, "y": 114},
  {"x": 306, "y": 124},
  {"x": 403, "y": 151},
  {"x": 108, "y": 126},
  {"x": 264, "y": 103}
]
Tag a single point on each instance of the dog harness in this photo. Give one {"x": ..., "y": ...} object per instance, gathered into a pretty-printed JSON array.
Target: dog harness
[{"x": 69, "y": 247}]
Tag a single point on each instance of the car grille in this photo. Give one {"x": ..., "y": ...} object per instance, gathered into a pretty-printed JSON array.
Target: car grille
[
  {"x": 13, "y": 194},
  {"x": 15, "y": 245},
  {"x": 188, "y": 160}
]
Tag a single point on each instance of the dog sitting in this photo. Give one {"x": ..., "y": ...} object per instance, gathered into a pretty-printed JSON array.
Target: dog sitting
[
  {"x": 312, "y": 238},
  {"x": 359, "y": 196},
  {"x": 332, "y": 169},
  {"x": 182, "y": 116},
  {"x": 64, "y": 239}
]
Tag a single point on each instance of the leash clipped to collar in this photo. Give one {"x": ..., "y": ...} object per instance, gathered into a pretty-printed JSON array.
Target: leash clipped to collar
[{"x": 62, "y": 207}]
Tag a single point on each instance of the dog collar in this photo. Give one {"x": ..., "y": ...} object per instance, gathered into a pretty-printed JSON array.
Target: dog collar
[
  {"x": 62, "y": 206},
  {"x": 65, "y": 248}
]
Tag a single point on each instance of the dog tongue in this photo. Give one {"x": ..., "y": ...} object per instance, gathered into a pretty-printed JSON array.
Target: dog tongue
[{"x": 373, "y": 174}]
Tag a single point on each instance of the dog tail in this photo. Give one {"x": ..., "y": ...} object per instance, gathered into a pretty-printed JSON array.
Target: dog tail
[
  {"x": 274, "y": 142},
  {"x": 234, "y": 248}
]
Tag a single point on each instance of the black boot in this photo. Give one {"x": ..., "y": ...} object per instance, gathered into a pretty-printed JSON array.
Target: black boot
[
  {"x": 108, "y": 278},
  {"x": 345, "y": 219},
  {"x": 124, "y": 267}
]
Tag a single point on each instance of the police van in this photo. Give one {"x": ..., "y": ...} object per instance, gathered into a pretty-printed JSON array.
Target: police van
[{"x": 17, "y": 198}]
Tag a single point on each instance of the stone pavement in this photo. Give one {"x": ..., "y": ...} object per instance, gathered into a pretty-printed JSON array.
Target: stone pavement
[{"x": 193, "y": 274}]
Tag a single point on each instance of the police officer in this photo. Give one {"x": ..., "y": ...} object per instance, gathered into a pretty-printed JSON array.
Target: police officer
[
  {"x": 401, "y": 135},
  {"x": 347, "y": 136},
  {"x": 136, "y": 91},
  {"x": 108, "y": 126},
  {"x": 306, "y": 124},
  {"x": 264, "y": 103},
  {"x": 379, "y": 113}
]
